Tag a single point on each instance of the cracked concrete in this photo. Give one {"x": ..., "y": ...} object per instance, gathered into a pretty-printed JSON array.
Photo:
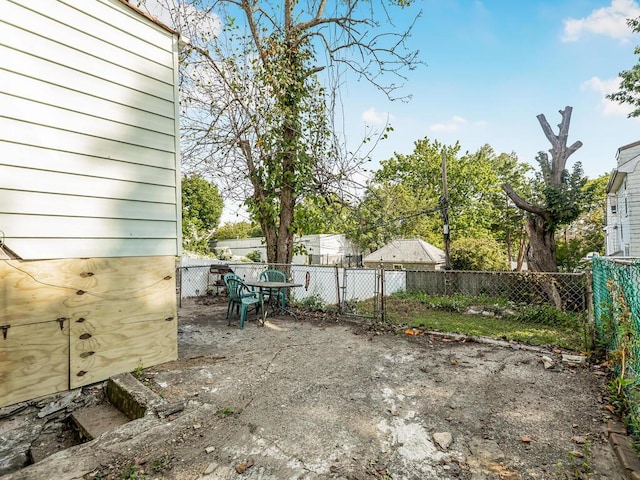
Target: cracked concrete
[{"x": 319, "y": 399}]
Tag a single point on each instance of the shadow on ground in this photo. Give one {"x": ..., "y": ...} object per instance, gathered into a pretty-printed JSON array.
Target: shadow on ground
[{"x": 322, "y": 398}]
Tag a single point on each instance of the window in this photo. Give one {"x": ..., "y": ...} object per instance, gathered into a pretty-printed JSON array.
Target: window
[{"x": 614, "y": 208}]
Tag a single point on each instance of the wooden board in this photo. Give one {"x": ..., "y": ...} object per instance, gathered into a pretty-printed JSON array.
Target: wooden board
[
  {"x": 118, "y": 346},
  {"x": 118, "y": 313},
  {"x": 45, "y": 290},
  {"x": 33, "y": 361}
]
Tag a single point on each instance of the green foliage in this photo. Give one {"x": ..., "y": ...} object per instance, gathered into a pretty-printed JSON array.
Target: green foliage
[
  {"x": 405, "y": 197},
  {"x": 546, "y": 315},
  {"x": 565, "y": 202},
  {"x": 629, "y": 92},
  {"x": 132, "y": 472},
  {"x": 159, "y": 465},
  {"x": 255, "y": 113},
  {"x": 322, "y": 214},
  {"x": 225, "y": 412},
  {"x": 585, "y": 233},
  {"x": 504, "y": 319},
  {"x": 202, "y": 207},
  {"x": 313, "y": 303},
  {"x": 231, "y": 231},
  {"x": 223, "y": 253},
  {"x": 478, "y": 254},
  {"x": 255, "y": 256}
]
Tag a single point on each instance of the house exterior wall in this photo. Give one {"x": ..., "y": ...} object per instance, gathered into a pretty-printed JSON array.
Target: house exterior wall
[
  {"x": 324, "y": 249},
  {"x": 89, "y": 194},
  {"x": 623, "y": 204},
  {"x": 88, "y": 131}
]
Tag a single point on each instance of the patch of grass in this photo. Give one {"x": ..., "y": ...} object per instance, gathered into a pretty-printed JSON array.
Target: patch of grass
[
  {"x": 225, "y": 412},
  {"x": 446, "y": 316},
  {"x": 160, "y": 464},
  {"x": 132, "y": 472}
]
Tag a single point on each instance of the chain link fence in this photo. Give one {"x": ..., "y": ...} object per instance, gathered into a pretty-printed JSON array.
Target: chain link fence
[
  {"x": 348, "y": 288},
  {"x": 566, "y": 291},
  {"x": 616, "y": 288}
]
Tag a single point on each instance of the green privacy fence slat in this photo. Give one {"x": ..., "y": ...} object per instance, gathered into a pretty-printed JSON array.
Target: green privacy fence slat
[{"x": 616, "y": 302}]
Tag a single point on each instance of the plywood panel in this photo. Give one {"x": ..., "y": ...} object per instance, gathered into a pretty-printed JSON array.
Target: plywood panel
[
  {"x": 44, "y": 290},
  {"x": 116, "y": 346},
  {"x": 116, "y": 314},
  {"x": 129, "y": 319},
  {"x": 34, "y": 361}
]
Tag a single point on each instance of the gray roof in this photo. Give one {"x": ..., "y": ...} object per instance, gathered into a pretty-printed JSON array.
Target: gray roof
[{"x": 411, "y": 250}]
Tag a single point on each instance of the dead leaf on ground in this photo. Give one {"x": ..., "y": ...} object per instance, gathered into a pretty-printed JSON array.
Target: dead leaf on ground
[
  {"x": 244, "y": 466},
  {"x": 611, "y": 408},
  {"x": 526, "y": 439}
]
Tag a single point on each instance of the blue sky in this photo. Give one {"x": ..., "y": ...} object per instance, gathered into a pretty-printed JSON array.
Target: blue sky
[{"x": 492, "y": 66}]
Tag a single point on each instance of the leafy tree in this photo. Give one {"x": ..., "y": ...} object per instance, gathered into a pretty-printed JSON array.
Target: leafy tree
[
  {"x": 322, "y": 214},
  {"x": 229, "y": 231},
  {"x": 629, "y": 92},
  {"x": 405, "y": 197},
  {"x": 558, "y": 197},
  {"x": 585, "y": 234},
  {"x": 254, "y": 108},
  {"x": 478, "y": 254},
  {"x": 202, "y": 207}
]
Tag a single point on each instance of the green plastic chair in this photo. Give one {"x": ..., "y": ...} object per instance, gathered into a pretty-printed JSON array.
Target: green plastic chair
[
  {"x": 275, "y": 276},
  {"x": 240, "y": 297}
]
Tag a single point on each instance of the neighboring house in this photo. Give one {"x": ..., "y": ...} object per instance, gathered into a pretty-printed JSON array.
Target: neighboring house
[
  {"x": 622, "y": 230},
  {"x": 320, "y": 249},
  {"x": 407, "y": 254},
  {"x": 89, "y": 194}
]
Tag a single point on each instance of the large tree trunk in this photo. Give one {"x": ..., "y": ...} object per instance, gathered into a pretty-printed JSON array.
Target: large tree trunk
[{"x": 541, "y": 254}]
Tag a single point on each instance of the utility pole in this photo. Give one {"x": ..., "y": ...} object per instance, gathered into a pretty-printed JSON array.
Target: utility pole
[{"x": 445, "y": 213}]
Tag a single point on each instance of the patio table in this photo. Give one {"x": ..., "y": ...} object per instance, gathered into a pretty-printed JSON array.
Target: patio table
[{"x": 273, "y": 299}]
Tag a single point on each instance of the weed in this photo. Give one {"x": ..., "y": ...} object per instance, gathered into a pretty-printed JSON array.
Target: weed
[
  {"x": 579, "y": 467},
  {"x": 315, "y": 303},
  {"x": 225, "y": 413},
  {"x": 138, "y": 371},
  {"x": 159, "y": 465},
  {"x": 132, "y": 472}
]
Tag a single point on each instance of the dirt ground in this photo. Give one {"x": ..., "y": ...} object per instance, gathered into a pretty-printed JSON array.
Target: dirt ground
[{"x": 323, "y": 398}]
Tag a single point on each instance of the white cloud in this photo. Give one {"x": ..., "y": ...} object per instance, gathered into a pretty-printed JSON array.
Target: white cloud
[
  {"x": 454, "y": 124},
  {"x": 373, "y": 117},
  {"x": 604, "y": 88},
  {"x": 609, "y": 21}
]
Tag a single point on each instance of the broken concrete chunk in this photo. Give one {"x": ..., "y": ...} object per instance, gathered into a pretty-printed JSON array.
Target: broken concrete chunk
[
  {"x": 443, "y": 439},
  {"x": 547, "y": 362},
  {"x": 574, "y": 358}
]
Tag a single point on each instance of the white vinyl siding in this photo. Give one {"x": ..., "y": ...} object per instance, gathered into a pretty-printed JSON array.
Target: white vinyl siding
[
  {"x": 633, "y": 212},
  {"x": 88, "y": 131}
]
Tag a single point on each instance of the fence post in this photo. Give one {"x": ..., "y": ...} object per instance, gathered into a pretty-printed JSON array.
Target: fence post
[
  {"x": 590, "y": 316},
  {"x": 338, "y": 287},
  {"x": 382, "y": 299}
]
